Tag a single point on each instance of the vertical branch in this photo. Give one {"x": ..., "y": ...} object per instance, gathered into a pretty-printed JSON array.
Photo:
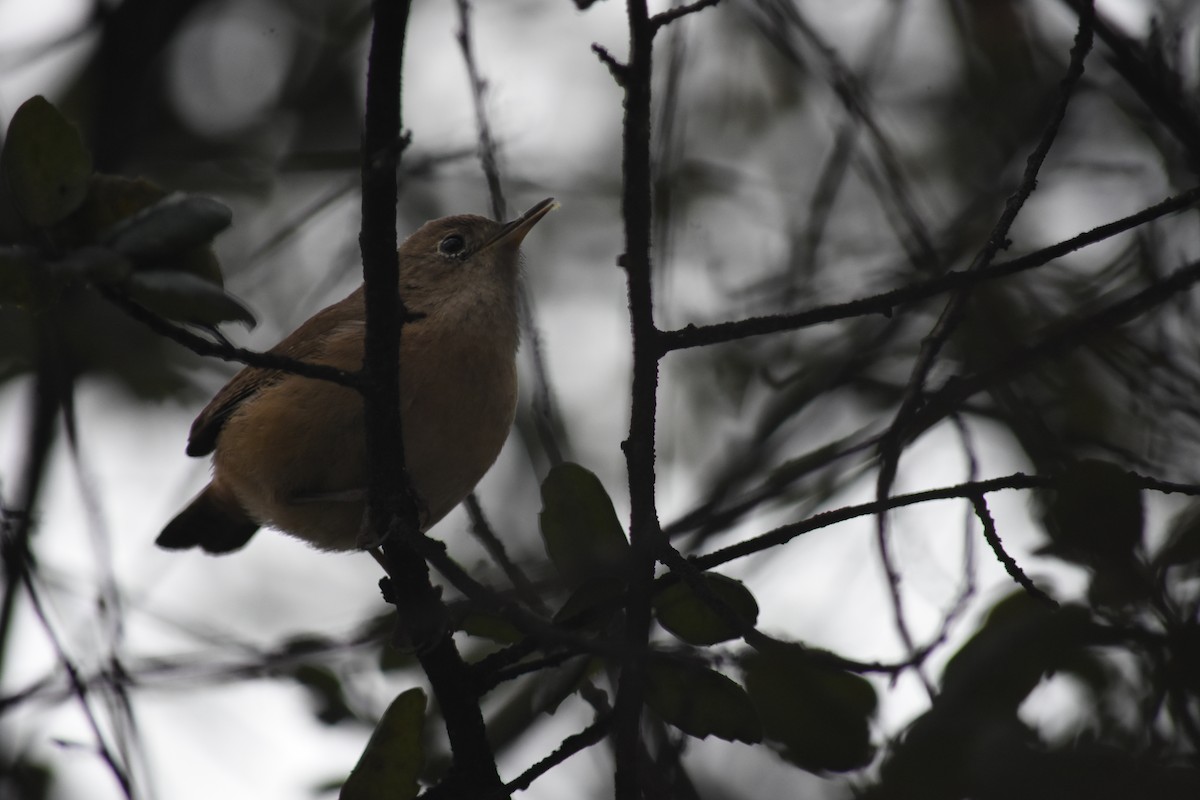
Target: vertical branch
[
  {"x": 391, "y": 504},
  {"x": 109, "y": 606},
  {"x": 639, "y": 446},
  {"x": 487, "y": 143},
  {"x": 53, "y": 390},
  {"x": 52, "y": 385},
  {"x": 542, "y": 403},
  {"x": 377, "y": 241}
]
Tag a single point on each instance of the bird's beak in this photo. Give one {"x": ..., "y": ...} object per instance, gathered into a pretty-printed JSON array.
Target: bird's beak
[{"x": 513, "y": 232}]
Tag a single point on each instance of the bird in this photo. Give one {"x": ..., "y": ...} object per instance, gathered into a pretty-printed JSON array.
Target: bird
[{"x": 289, "y": 452}]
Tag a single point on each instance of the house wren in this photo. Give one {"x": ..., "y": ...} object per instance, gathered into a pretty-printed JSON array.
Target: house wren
[{"x": 290, "y": 452}]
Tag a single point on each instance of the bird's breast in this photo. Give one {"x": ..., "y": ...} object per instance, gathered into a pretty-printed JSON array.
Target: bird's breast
[{"x": 457, "y": 412}]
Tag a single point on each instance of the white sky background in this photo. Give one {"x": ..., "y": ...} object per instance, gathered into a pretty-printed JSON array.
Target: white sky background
[{"x": 556, "y": 111}]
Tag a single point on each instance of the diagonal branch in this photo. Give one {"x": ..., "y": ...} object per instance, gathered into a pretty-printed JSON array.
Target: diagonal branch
[
  {"x": 885, "y": 303},
  {"x": 661, "y": 20},
  {"x": 206, "y": 347},
  {"x": 952, "y": 315},
  {"x": 1019, "y": 361},
  {"x": 979, "y": 504}
]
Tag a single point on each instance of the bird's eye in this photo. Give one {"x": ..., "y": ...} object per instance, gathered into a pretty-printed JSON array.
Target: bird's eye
[{"x": 452, "y": 245}]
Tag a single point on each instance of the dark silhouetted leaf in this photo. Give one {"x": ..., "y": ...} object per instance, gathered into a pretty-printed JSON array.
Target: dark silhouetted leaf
[
  {"x": 95, "y": 265},
  {"x": 44, "y": 163},
  {"x": 1182, "y": 546},
  {"x": 25, "y": 778},
  {"x": 488, "y": 626},
  {"x": 1095, "y": 514},
  {"x": 392, "y": 761},
  {"x": 109, "y": 199},
  {"x": 579, "y": 525},
  {"x": 173, "y": 225},
  {"x": 185, "y": 297},
  {"x": 326, "y": 689},
  {"x": 701, "y": 702},
  {"x": 686, "y": 614},
  {"x": 1020, "y": 642},
  {"x": 818, "y": 714},
  {"x": 111, "y": 202},
  {"x": 23, "y": 277},
  {"x": 592, "y": 604}
]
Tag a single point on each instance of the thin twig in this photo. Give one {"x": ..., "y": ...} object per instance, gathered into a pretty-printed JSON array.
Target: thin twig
[
  {"x": 1019, "y": 361},
  {"x": 619, "y": 71},
  {"x": 487, "y": 143},
  {"x": 1164, "y": 100},
  {"x": 885, "y": 303},
  {"x": 1017, "y": 480},
  {"x": 879, "y": 52},
  {"x": 109, "y": 605},
  {"x": 79, "y": 688},
  {"x": 543, "y": 403},
  {"x": 952, "y": 315},
  {"x": 780, "y": 21},
  {"x": 786, "y": 533},
  {"x": 665, "y": 18},
  {"x": 979, "y": 503},
  {"x": 205, "y": 347},
  {"x": 496, "y": 549},
  {"x": 571, "y": 745}
]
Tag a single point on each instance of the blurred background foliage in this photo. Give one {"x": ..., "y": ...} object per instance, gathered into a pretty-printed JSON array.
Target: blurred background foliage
[{"x": 805, "y": 153}]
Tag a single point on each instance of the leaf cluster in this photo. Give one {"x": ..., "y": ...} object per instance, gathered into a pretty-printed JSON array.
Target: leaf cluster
[{"x": 70, "y": 237}]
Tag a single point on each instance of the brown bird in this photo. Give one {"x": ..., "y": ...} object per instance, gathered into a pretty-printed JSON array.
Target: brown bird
[{"x": 289, "y": 452}]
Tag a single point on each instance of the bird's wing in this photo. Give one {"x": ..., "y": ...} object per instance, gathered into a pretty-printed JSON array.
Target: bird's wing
[{"x": 302, "y": 343}]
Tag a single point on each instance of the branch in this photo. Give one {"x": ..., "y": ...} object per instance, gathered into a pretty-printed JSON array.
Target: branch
[
  {"x": 206, "y": 347},
  {"x": 779, "y": 20},
  {"x": 955, "y": 309},
  {"x": 487, "y": 145},
  {"x": 979, "y": 503},
  {"x": 1161, "y": 97},
  {"x": 639, "y": 447},
  {"x": 52, "y": 388},
  {"x": 659, "y": 21},
  {"x": 786, "y": 533},
  {"x": 483, "y": 532},
  {"x": 80, "y": 690},
  {"x": 899, "y": 432},
  {"x": 958, "y": 389},
  {"x": 526, "y": 622},
  {"x": 619, "y": 71},
  {"x": 391, "y": 504},
  {"x": 570, "y": 746},
  {"x": 968, "y": 490},
  {"x": 886, "y": 303},
  {"x": 542, "y": 403}
]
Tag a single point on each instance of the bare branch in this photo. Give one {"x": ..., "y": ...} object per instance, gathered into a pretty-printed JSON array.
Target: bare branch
[
  {"x": 885, "y": 303},
  {"x": 620, "y": 72},
  {"x": 391, "y": 502},
  {"x": 1019, "y": 361},
  {"x": 571, "y": 745},
  {"x": 979, "y": 503},
  {"x": 659, "y": 21},
  {"x": 639, "y": 446},
  {"x": 542, "y": 403},
  {"x": 786, "y": 533},
  {"x": 206, "y": 347}
]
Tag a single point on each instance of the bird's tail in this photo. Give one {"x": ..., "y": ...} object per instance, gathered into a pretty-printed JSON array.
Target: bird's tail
[{"x": 213, "y": 521}]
